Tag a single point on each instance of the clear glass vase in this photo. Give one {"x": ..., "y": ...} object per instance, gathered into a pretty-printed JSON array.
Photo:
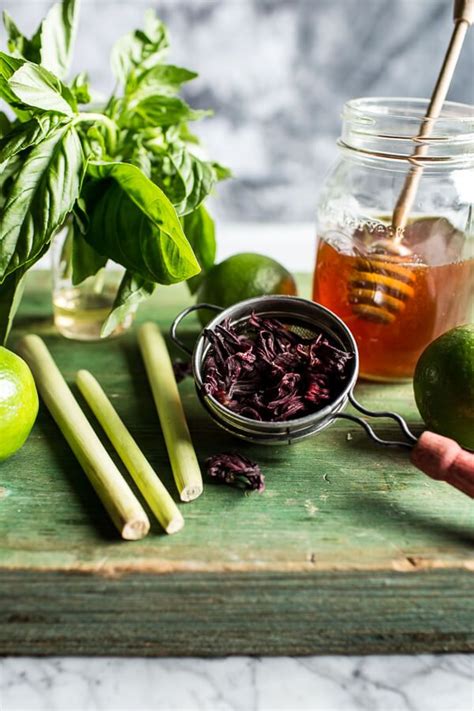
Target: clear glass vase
[{"x": 80, "y": 310}]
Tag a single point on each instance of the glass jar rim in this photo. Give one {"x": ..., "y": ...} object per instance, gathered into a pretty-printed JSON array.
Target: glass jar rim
[
  {"x": 409, "y": 108},
  {"x": 389, "y": 128}
]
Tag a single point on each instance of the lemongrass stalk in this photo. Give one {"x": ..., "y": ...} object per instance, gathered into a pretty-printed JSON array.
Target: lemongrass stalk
[
  {"x": 122, "y": 505},
  {"x": 130, "y": 453},
  {"x": 184, "y": 463}
]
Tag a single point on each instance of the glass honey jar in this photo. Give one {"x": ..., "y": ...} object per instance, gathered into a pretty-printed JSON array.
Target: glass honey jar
[{"x": 398, "y": 289}]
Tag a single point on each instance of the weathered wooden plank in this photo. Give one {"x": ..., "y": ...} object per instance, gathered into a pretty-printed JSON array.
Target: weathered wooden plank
[
  {"x": 186, "y": 614},
  {"x": 344, "y": 529}
]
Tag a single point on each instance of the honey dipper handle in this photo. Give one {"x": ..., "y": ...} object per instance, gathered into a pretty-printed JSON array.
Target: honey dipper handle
[
  {"x": 443, "y": 459},
  {"x": 463, "y": 17},
  {"x": 464, "y": 10}
]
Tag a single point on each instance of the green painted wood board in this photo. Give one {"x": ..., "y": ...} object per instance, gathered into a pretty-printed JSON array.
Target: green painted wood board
[{"x": 349, "y": 549}]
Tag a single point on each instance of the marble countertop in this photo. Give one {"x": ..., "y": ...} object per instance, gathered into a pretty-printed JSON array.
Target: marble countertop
[{"x": 390, "y": 683}]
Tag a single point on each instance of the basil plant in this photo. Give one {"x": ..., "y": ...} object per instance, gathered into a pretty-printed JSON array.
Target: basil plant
[{"x": 125, "y": 178}]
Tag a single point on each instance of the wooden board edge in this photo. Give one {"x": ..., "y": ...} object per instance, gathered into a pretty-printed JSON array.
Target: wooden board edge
[{"x": 215, "y": 615}]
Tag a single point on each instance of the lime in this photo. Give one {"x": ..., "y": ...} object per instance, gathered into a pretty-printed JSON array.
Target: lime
[
  {"x": 444, "y": 385},
  {"x": 243, "y": 276},
  {"x": 18, "y": 402}
]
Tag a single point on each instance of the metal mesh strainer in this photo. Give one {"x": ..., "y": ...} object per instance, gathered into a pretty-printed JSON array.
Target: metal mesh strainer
[
  {"x": 305, "y": 318},
  {"x": 435, "y": 455}
]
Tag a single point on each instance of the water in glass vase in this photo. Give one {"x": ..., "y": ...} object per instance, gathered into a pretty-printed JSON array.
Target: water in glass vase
[
  {"x": 80, "y": 310},
  {"x": 80, "y": 313}
]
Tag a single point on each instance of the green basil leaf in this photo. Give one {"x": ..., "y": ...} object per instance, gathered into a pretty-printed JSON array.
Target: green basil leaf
[
  {"x": 7, "y": 175},
  {"x": 20, "y": 45},
  {"x": 11, "y": 292},
  {"x": 8, "y": 66},
  {"x": 185, "y": 179},
  {"x": 222, "y": 173},
  {"x": 80, "y": 216},
  {"x": 35, "y": 86},
  {"x": 135, "y": 224},
  {"x": 139, "y": 49},
  {"x": 42, "y": 193},
  {"x": 200, "y": 231},
  {"x": 93, "y": 140},
  {"x": 52, "y": 44},
  {"x": 185, "y": 135},
  {"x": 25, "y": 135},
  {"x": 81, "y": 89},
  {"x": 15, "y": 39},
  {"x": 57, "y": 32},
  {"x": 158, "y": 111},
  {"x": 141, "y": 158},
  {"x": 17, "y": 43},
  {"x": 5, "y": 124},
  {"x": 132, "y": 291},
  {"x": 161, "y": 79},
  {"x": 86, "y": 261}
]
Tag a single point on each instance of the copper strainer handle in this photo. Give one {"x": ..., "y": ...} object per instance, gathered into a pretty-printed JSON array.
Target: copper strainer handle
[
  {"x": 439, "y": 457},
  {"x": 443, "y": 459}
]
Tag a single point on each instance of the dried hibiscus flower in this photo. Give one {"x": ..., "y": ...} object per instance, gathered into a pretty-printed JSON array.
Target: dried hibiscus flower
[
  {"x": 236, "y": 470},
  {"x": 263, "y": 370},
  {"x": 182, "y": 369}
]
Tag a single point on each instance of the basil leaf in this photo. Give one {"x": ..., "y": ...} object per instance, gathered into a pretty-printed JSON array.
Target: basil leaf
[
  {"x": 198, "y": 178},
  {"x": 25, "y": 135},
  {"x": 11, "y": 292},
  {"x": 15, "y": 38},
  {"x": 160, "y": 79},
  {"x": 158, "y": 111},
  {"x": 86, "y": 261},
  {"x": 5, "y": 125},
  {"x": 18, "y": 43},
  {"x": 185, "y": 179},
  {"x": 200, "y": 231},
  {"x": 8, "y": 66},
  {"x": 80, "y": 88},
  {"x": 133, "y": 289},
  {"x": 139, "y": 49},
  {"x": 222, "y": 173},
  {"x": 42, "y": 193},
  {"x": 135, "y": 224},
  {"x": 7, "y": 176},
  {"x": 142, "y": 159},
  {"x": 94, "y": 143},
  {"x": 52, "y": 44},
  {"x": 35, "y": 86},
  {"x": 57, "y": 32}
]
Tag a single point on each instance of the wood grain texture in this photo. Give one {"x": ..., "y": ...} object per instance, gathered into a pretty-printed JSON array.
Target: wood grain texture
[{"x": 349, "y": 549}]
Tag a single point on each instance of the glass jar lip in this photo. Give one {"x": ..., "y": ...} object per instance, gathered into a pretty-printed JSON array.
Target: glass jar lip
[
  {"x": 410, "y": 109},
  {"x": 390, "y": 128}
]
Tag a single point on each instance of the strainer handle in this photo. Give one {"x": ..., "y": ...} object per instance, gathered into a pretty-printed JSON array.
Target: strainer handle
[
  {"x": 181, "y": 316},
  {"x": 443, "y": 459}
]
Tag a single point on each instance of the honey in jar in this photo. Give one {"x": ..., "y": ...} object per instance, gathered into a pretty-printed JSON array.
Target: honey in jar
[{"x": 404, "y": 306}]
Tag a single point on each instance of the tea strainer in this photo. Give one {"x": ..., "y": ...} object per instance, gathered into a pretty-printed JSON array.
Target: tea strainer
[{"x": 437, "y": 456}]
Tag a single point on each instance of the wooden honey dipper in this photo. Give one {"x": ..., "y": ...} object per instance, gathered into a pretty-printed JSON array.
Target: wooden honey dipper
[{"x": 382, "y": 282}]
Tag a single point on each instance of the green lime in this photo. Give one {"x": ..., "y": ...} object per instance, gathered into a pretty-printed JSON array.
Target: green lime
[
  {"x": 444, "y": 385},
  {"x": 243, "y": 276},
  {"x": 18, "y": 403}
]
